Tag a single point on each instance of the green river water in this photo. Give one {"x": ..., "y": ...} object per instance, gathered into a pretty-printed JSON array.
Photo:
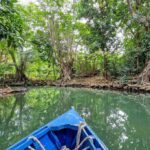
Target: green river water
[{"x": 121, "y": 120}]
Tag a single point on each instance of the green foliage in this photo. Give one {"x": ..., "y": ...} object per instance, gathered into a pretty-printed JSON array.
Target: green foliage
[
  {"x": 11, "y": 25},
  {"x": 48, "y": 40},
  {"x": 41, "y": 71},
  {"x": 101, "y": 26},
  {"x": 87, "y": 64},
  {"x": 6, "y": 68},
  {"x": 115, "y": 65}
]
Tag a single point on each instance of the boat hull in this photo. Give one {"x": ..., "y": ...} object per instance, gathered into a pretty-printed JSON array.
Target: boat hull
[{"x": 67, "y": 131}]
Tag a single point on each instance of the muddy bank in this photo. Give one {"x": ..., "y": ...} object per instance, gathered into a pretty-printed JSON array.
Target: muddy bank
[
  {"x": 89, "y": 82},
  {"x": 110, "y": 86},
  {"x": 99, "y": 83}
]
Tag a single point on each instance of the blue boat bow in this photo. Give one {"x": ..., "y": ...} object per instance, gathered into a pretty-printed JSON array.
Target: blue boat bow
[{"x": 67, "y": 132}]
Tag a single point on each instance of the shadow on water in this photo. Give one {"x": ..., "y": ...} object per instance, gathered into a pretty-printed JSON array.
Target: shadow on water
[{"x": 122, "y": 120}]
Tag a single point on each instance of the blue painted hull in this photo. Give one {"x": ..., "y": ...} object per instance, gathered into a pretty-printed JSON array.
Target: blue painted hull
[{"x": 67, "y": 131}]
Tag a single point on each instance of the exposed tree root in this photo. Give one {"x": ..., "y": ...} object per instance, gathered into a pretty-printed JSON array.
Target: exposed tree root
[
  {"x": 144, "y": 77},
  {"x": 9, "y": 90}
]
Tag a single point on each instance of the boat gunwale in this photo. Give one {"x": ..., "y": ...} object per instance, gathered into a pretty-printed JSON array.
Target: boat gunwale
[{"x": 25, "y": 142}]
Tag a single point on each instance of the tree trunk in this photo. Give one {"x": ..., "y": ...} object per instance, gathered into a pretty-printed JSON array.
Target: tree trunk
[
  {"x": 20, "y": 69},
  {"x": 66, "y": 71},
  {"x": 105, "y": 66},
  {"x": 144, "y": 77},
  {"x": 20, "y": 75}
]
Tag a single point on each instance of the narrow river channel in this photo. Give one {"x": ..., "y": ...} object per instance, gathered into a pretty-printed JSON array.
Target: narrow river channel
[{"x": 120, "y": 119}]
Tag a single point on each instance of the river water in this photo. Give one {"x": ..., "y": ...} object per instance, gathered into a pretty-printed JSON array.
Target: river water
[{"x": 121, "y": 120}]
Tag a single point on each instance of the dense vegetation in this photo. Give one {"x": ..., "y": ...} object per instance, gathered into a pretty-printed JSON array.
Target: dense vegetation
[{"x": 55, "y": 39}]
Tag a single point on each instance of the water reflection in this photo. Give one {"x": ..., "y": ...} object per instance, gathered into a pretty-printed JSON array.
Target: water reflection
[{"x": 122, "y": 120}]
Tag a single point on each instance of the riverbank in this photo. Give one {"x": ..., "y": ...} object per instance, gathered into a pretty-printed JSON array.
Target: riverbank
[
  {"x": 88, "y": 82},
  {"x": 100, "y": 83}
]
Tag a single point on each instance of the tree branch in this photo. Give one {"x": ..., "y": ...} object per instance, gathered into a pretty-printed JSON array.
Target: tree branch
[{"x": 130, "y": 7}]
